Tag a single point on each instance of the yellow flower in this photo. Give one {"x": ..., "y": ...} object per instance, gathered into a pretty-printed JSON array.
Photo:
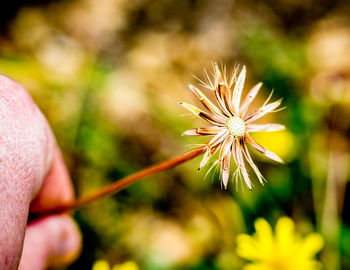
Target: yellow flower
[
  {"x": 282, "y": 250},
  {"x": 283, "y": 143},
  {"x": 103, "y": 265},
  {"x": 126, "y": 266}
]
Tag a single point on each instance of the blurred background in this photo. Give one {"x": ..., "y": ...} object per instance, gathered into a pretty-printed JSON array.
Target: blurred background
[{"x": 108, "y": 75}]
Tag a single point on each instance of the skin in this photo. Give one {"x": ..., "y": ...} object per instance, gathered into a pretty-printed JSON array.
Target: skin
[{"x": 33, "y": 176}]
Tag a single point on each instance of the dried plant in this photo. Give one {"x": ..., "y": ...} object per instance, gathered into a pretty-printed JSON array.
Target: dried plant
[{"x": 231, "y": 124}]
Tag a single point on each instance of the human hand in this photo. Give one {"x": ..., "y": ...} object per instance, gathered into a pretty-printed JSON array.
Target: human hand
[{"x": 32, "y": 177}]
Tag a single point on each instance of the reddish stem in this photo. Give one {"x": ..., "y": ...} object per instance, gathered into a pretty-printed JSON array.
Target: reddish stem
[{"x": 121, "y": 184}]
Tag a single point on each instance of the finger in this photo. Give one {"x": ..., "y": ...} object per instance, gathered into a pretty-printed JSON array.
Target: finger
[
  {"x": 26, "y": 144},
  {"x": 56, "y": 189},
  {"x": 50, "y": 242}
]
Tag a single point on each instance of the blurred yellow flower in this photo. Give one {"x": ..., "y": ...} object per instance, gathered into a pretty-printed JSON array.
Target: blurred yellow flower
[
  {"x": 284, "y": 250},
  {"x": 130, "y": 265},
  {"x": 103, "y": 265},
  {"x": 282, "y": 143}
]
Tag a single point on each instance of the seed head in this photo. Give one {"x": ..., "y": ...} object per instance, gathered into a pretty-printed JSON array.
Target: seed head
[
  {"x": 231, "y": 124},
  {"x": 236, "y": 126}
]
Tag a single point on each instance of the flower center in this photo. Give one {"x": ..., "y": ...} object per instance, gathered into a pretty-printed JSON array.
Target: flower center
[{"x": 236, "y": 126}]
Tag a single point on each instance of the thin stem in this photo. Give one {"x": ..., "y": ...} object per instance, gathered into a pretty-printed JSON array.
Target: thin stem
[{"x": 121, "y": 184}]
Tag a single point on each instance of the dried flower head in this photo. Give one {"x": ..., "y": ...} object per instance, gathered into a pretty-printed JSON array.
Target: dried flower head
[{"x": 231, "y": 124}]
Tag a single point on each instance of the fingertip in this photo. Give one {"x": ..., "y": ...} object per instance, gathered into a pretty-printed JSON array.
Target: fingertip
[
  {"x": 69, "y": 246},
  {"x": 54, "y": 241}
]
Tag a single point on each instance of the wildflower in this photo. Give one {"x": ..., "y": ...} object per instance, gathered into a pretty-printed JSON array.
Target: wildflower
[
  {"x": 231, "y": 124},
  {"x": 104, "y": 265},
  {"x": 285, "y": 250}
]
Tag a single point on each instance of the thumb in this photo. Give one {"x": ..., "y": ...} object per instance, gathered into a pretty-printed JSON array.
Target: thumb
[{"x": 50, "y": 242}]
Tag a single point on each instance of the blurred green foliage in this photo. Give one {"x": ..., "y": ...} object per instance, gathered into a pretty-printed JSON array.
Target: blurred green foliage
[{"x": 108, "y": 76}]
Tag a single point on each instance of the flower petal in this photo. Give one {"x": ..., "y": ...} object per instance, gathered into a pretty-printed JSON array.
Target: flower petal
[
  {"x": 252, "y": 164},
  {"x": 248, "y": 99},
  {"x": 220, "y": 99},
  {"x": 237, "y": 154},
  {"x": 228, "y": 85},
  {"x": 191, "y": 132},
  {"x": 285, "y": 235},
  {"x": 311, "y": 245},
  {"x": 226, "y": 147},
  {"x": 224, "y": 156},
  {"x": 237, "y": 91},
  {"x": 247, "y": 247},
  {"x": 262, "y": 149},
  {"x": 221, "y": 92},
  {"x": 256, "y": 266},
  {"x": 225, "y": 168},
  {"x": 207, "y": 103},
  {"x": 218, "y": 138},
  {"x": 262, "y": 111},
  {"x": 203, "y": 131},
  {"x": 207, "y": 155},
  {"x": 206, "y": 116},
  {"x": 264, "y": 235},
  {"x": 264, "y": 127},
  {"x": 213, "y": 145},
  {"x": 219, "y": 79}
]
